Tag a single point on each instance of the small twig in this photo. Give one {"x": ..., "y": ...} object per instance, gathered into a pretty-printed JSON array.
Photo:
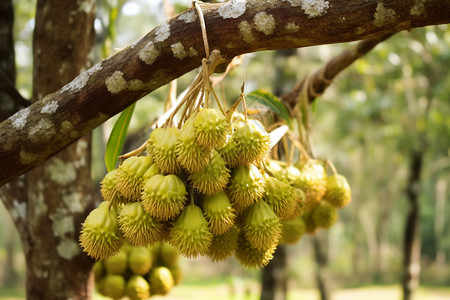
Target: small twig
[
  {"x": 332, "y": 167},
  {"x": 203, "y": 26},
  {"x": 135, "y": 151}
]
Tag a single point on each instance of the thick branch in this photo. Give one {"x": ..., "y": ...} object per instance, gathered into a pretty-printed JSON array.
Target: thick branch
[{"x": 176, "y": 47}]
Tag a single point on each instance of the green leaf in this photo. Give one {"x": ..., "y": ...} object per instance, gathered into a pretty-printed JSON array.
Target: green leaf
[
  {"x": 272, "y": 102},
  {"x": 117, "y": 138}
]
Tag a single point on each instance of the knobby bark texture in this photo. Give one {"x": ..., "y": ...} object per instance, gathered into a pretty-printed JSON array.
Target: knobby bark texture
[{"x": 175, "y": 47}]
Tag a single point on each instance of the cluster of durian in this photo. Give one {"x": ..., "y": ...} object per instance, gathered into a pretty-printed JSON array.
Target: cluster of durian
[
  {"x": 202, "y": 188},
  {"x": 324, "y": 196},
  {"x": 138, "y": 272}
]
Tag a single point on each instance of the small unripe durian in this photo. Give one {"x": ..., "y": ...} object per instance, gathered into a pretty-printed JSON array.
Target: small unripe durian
[
  {"x": 139, "y": 260},
  {"x": 164, "y": 197},
  {"x": 253, "y": 143},
  {"x": 282, "y": 198},
  {"x": 137, "y": 226},
  {"x": 262, "y": 227},
  {"x": 219, "y": 212},
  {"x": 246, "y": 186},
  {"x": 116, "y": 264},
  {"x": 224, "y": 245},
  {"x": 162, "y": 144},
  {"x": 211, "y": 128},
  {"x": 190, "y": 233},
  {"x": 312, "y": 181},
  {"x": 168, "y": 255},
  {"x": 161, "y": 281},
  {"x": 213, "y": 178},
  {"x": 100, "y": 237},
  {"x": 292, "y": 230},
  {"x": 252, "y": 257},
  {"x": 109, "y": 188},
  {"x": 177, "y": 274},
  {"x": 99, "y": 270},
  {"x": 324, "y": 215},
  {"x": 338, "y": 191},
  {"x": 310, "y": 226},
  {"x": 229, "y": 152},
  {"x": 137, "y": 288},
  {"x": 113, "y": 286},
  {"x": 130, "y": 176}
]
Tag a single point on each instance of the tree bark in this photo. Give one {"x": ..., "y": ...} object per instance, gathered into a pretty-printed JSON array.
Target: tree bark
[
  {"x": 321, "y": 260},
  {"x": 176, "y": 47},
  {"x": 274, "y": 277}
]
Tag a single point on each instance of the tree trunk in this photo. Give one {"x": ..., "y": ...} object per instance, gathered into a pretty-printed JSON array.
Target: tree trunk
[
  {"x": 274, "y": 277},
  {"x": 321, "y": 262}
]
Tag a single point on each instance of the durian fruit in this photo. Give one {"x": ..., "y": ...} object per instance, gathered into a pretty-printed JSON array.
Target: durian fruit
[
  {"x": 190, "y": 233},
  {"x": 262, "y": 227},
  {"x": 168, "y": 255},
  {"x": 116, "y": 264},
  {"x": 152, "y": 171},
  {"x": 219, "y": 212},
  {"x": 324, "y": 215},
  {"x": 137, "y": 226},
  {"x": 177, "y": 274},
  {"x": 223, "y": 246},
  {"x": 300, "y": 198},
  {"x": 161, "y": 146},
  {"x": 246, "y": 186},
  {"x": 338, "y": 191},
  {"x": 292, "y": 230},
  {"x": 161, "y": 281},
  {"x": 213, "y": 178},
  {"x": 113, "y": 286},
  {"x": 310, "y": 226},
  {"x": 312, "y": 181},
  {"x": 276, "y": 168},
  {"x": 100, "y": 237},
  {"x": 253, "y": 142},
  {"x": 164, "y": 197},
  {"x": 191, "y": 156},
  {"x": 282, "y": 198},
  {"x": 109, "y": 190},
  {"x": 140, "y": 260},
  {"x": 137, "y": 288},
  {"x": 99, "y": 270},
  {"x": 252, "y": 257},
  {"x": 229, "y": 152},
  {"x": 211, "y": 128},
  {"x": 130, "y": 176}
]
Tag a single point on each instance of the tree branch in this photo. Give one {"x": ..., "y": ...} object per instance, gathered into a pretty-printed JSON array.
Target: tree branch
[{"x": 175, "y": 47}]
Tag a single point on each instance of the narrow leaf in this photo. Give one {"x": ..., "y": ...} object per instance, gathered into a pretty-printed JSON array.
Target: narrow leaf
[
  {"x": 270, "y": 101},
  {"x": 117, "y": 138},
  {"x": 277, "y": 134}
]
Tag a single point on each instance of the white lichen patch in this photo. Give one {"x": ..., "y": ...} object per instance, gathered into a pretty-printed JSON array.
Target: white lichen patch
[
  {"x": 43, "y": 131},
  {"x": 27, "y": 158},
  {"x": 19, "y": 210},
  {"x": 188, "y": 17},
  {"x": 233, "y": 9},
  {"x": 68, "y": 248},
  {"x": 246, "y": 31},
  {"x": 264, "y": 23},
  {"x": 136, "y": 84},
  {"x": 162, "y": 32},
  {"x": 178, "y": 50},
  {"x": 360, "y": 30},
  {"x": 86, "y": 5},
  {"x": 49, "y": 108},
  {"x": 291, "y": 27},
  {"x": 116, "y": 83},
  {"x": 418, "y": 8},
  {"x": 19, "y": 119},
  {"x": 149, "y": 53},
  {"x": 313, "y": 8},
  {"x": 383, "y": 16},
  {"x": 62, "y": 223},
  {"x": 60, "y": 172},
  {"x": 81, "y": 80},
  {"x": 73, "y": 201},
  {"x": 193, "y": 52}
]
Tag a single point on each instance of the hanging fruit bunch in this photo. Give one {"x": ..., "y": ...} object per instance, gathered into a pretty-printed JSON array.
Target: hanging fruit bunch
[
  {"x": 138, "y": 272},
  {"x": 202, "y": 187}
]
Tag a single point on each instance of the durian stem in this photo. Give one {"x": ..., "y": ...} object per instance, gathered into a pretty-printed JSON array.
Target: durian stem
[
  {"x": 299, "y": 145},
  {"x": 203, "y": 26},
  {"x": 134, "y": 152},
  {"x": 332, "y": 166},
  {"x": 286, "y": 150},
  {"x": 243, "y": 100}
]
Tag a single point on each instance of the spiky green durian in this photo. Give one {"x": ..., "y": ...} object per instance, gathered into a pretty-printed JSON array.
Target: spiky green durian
[
  {"x": 310, "y": 226},
  {"x": 137, "y": 288},
  {"x": 252, "y": 257},
  {"x": 219, "y": 212},
  {"x": 190, "y": 233},
  {"x": 139, "y": 260},
  {"x": 262, "y": 227},
  {"x": 277, "y": 169},
  {"x": 109, "y": 188},
  {"x": 211, "y": 128},
  {"x": 130, "y": 176},
  {"x": 312, "y": 181},
  {"x": 100, "y": 237},
  {"x": 161, "y": 146},
  {"x": 324, "y": 215},
  {"x": 229, "y": 152},
  {"x": 292, "y": 230},
  {"x": 161, "y": 281},
  {"x": 164, "y": 196},
  {"x": 137, "y": 226},
  {"x": 253, "y": 142},
  {"x": 177, "y": 274},
  {"x": 168, "y": 255},
  {"x": 116, "y": 264},
  {"x": 151, "y": 171},
  {"x": 338, "y": 191},
  {"x": 224, "y": 245},
  {"x": 281, "y": 197},
  {"x": 213, "y": 178},
  {"x": 300, "y": 198},
  {"x": 246, "y": 186},
  {"x": 191, "y": 156},
  {"x": 113, "y": 286}
]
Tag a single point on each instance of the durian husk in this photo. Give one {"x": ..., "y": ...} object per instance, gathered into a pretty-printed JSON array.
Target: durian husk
[
  {"x": 229, "y": 152},
  {"x": 137, "y": 288},
  {"x": 246, "y": 186},
  {"x": 223, "y": 246},
  {"x": 282, "y": 198},
  {"x": 190, "y": 234},
  {"x": 253, "y": 143},
  {"x": 292, "y": 231},
  {"x": 116, "y": 264},
  {"x": 177, "y": 274},
  {"x": 140, "y": 260},
  {"x": 310, "y": 226},
  {"x": 167, "y": 255},
  {"x": 161, "y": 281},
  {"x": 251, "y": 257},
  {"x": 324, "y": 215},
  {"x": 338, "y": 191},
  {"x": 161, "y": 147},
  {"x": 113, "y": 286},
  {"x": 213, "y": 178},
  {"x": 219, "y": 212},
  {"x": 312, "y": 181},
  {"x": 130, "y": 176},
  {"x": 109, "y": 190},
  {"x": 211, "y": 128}
]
